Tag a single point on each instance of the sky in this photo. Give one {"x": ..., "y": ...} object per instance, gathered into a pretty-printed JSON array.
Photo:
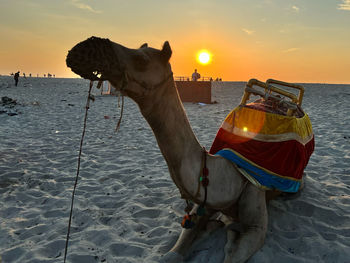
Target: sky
[{"x": 290, "y": 40}]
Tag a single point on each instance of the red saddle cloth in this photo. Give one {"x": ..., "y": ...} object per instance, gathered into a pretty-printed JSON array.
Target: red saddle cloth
[{"x": 270, "y": 149}]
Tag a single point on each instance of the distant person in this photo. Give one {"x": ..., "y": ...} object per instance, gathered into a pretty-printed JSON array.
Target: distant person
[
  {"x": 195, "y": 75},
  {"x": 24, "y": 75},
  {"x": 16, "y": 77}
]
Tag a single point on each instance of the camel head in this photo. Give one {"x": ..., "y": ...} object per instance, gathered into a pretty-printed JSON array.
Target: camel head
[{"x": 134, "y": 72}]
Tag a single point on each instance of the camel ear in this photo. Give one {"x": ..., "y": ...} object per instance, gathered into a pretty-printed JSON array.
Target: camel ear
[
  {"x": 166, "y": 52},
  {"x": 144, "y": 45}
]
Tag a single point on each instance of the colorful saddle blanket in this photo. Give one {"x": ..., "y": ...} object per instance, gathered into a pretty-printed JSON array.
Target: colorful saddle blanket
[{"x": 271, "y": 150}]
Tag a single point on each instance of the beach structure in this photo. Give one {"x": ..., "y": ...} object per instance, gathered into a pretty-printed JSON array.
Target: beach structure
[
  {"x": 212, "y": 182},
  {"x": 194, "y": 91},
  {"x": 189, "y": 91}
]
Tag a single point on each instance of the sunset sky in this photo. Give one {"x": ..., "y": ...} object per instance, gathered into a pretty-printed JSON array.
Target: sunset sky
[{"x": 291, "y": 40}]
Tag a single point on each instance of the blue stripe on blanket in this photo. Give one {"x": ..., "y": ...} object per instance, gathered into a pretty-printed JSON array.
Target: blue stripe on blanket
[{"x": 265, "y": 178}]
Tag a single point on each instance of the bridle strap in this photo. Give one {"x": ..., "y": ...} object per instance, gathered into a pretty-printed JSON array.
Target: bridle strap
[{"x": 147, "y": 86}]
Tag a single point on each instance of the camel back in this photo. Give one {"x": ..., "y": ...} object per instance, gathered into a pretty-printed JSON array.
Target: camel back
[{"x": 270, "y": 142}]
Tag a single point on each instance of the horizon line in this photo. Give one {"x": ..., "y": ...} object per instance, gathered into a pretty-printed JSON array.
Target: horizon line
[{"x": 244, "y": 81}]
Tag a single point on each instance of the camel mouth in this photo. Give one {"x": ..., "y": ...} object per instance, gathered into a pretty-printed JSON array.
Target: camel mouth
[{"x": 93, "y": 59}]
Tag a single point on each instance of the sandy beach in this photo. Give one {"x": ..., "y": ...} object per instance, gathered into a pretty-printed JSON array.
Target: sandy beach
[{"x": 127, "y": 209}]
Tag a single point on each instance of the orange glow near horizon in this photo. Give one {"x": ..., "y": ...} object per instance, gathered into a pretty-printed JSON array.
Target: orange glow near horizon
[{"x": 262, "y": 41}]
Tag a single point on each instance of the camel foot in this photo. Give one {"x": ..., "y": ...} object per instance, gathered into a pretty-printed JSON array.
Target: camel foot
[{"x": 172, "y": 257}]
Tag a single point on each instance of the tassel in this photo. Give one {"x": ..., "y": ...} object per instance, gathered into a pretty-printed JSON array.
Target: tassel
[{"x": 187, "y": 222}]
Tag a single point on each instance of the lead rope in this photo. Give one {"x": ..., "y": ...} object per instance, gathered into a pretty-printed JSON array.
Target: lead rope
[
  {"x": 121, "y": 114},
  {"x": 190, "y": 220},
  {"x": 205, "y": 182},
  {"x": 124, "y": 83},
  {"x": 90, "y": 97}
]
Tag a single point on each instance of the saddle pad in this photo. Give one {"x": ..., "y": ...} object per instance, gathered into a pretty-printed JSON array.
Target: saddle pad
[{"x": 271, "y": 150}]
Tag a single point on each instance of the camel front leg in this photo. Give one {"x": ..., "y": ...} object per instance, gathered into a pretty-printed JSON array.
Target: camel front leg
[
  {"x": 253, "y": 216},
  {"x": 187, "y": 237}
]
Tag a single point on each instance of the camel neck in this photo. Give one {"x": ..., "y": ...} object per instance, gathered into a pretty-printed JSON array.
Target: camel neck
[{"x": 166, "y": 116}]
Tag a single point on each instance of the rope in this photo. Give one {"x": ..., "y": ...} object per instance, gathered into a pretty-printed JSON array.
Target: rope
[
  {"x": 205, "y": 180},
  {"x": 199, "y": 178},
  {"x": 121, "y": 114},
  {"x": 78, "y": 169},
  {"x": 90, "y": 97},
  {"x": 189, "y": 221}
]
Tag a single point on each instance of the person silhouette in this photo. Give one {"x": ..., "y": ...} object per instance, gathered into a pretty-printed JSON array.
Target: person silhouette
[
  {"x": 16, "y": 77},
  {"x": 195, "y": 75}
]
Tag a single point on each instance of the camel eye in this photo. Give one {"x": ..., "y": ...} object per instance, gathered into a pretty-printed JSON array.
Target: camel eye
[{"x": 140, "y": 62}]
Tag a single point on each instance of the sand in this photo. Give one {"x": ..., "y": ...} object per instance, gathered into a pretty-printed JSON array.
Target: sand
[{"x": 127, "y": 209}]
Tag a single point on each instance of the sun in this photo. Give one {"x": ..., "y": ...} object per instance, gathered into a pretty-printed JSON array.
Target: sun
[{"x": 204, "y": 57}]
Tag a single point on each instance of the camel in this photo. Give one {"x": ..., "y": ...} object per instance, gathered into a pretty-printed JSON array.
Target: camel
[{"x": 145, "y": 75}]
